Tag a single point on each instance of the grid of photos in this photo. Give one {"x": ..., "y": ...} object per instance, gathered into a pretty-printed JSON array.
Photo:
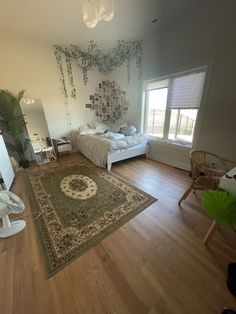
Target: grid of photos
[{"x": 109, "y": 101}]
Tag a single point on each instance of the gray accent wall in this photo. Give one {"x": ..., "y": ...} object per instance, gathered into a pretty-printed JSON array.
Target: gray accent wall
[{"x": 208, "y": 35}]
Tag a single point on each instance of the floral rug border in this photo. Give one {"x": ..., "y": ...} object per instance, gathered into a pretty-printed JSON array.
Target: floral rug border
[{"x": 101, "y": 235}]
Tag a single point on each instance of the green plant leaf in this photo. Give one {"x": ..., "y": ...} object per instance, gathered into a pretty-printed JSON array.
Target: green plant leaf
[
  {"x": 220, "y": 206},
  {"x": 25, "y": 144},
  {"x": 20, "y": 95},
  {"x": 12, "y": 120}
]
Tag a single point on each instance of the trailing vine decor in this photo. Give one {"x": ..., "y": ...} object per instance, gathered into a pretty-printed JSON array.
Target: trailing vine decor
[{"x": 93, "y": 58}]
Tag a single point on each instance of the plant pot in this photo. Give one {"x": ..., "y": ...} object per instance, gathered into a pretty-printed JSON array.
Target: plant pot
[{"x": 24, "y": 163}]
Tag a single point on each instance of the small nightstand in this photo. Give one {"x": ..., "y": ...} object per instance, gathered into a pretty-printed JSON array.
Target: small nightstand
[{"x": 62, "y": 146}]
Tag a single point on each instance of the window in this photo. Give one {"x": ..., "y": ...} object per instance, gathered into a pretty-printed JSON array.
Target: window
[{"x": 172, "y": 105}]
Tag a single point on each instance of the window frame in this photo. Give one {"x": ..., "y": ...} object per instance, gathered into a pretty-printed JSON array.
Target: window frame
[
  {"x": 206, "y": 67},
  {"x": 146, "y": 115}
]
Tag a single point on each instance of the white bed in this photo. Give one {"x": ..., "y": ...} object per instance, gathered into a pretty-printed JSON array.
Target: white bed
[{"x": 104, "y": 151}]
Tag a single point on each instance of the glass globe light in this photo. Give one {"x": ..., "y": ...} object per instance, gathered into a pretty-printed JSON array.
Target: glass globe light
[
  {"x": 106, "y": 10},
  {"x": 90, "y": 16}
]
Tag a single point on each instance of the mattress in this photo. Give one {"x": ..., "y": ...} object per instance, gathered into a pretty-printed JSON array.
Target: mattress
[{"x": 97, "y": 147}]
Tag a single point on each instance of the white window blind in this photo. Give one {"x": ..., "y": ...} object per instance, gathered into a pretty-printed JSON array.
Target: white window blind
[
  {"x": 156, "y": 84},
  {"x": 186, "y": 91}
]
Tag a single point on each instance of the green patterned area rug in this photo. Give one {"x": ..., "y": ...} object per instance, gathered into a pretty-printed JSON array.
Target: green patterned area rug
[{"x": 80, "y": 205}]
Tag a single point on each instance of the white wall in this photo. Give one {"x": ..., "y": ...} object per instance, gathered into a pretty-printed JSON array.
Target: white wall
[
  {"x": 132, "y": 93},
  {"x": 32, "y": 66},
  {"x": 206, "y": 35}
]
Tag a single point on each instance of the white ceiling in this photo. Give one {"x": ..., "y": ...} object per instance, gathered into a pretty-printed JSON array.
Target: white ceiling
[{"x": 60, "y": 21}]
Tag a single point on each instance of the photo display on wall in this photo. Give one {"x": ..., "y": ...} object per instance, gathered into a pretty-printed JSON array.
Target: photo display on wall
[{"x": 108, "y": 101}]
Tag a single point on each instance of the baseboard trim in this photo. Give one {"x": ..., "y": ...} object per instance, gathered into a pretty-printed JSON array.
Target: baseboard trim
[{"x": 169, "y": 162}]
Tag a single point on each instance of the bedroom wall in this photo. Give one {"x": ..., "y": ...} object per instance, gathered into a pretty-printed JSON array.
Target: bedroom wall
[
  {"x": 206, "y": 35},
  {"x": 32, "y": 66},
  {"x": 133, "y": 115}
]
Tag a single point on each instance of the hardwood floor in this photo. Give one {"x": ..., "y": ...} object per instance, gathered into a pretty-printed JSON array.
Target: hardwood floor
[{"x": 156, "y": 263}]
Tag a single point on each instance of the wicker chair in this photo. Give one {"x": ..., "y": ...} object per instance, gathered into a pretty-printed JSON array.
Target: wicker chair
[{"x": 207, "y": 170}]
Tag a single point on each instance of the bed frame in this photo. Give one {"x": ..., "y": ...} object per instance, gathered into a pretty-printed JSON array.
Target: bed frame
[{"x": 125, "y": 154}]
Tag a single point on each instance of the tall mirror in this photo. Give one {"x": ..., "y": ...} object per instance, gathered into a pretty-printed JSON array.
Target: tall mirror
[{"x": 42, "y": 147}]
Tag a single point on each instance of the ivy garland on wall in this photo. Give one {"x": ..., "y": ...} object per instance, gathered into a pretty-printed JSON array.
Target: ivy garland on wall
[{"x": 93, "y": 58}]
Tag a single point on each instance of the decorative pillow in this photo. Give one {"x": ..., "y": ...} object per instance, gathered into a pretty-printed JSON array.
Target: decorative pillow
[{"x": 128, "y": 130}]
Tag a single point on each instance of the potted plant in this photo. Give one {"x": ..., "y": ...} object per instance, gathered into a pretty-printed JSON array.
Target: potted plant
[
  {"x": 12, "y": 122},
  {"x": 221, "y": 207}
]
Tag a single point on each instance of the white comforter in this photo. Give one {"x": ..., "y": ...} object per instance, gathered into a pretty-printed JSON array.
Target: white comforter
[{"x": 96, "y": 147}]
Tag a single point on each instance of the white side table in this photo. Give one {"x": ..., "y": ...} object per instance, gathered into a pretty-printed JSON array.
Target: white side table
[
  {"x": 64, "y": 146},
  {"x": 229, "y": 184}
]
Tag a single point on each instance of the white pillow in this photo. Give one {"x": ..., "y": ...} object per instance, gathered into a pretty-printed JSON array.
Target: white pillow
[
  {"x": 100, "y": 131},
  {"x": 84, "y": 130},
  {"x": 91, "y": 125},
  {"x": 101, "y": 126},
  {"x": 113, "y": 136}
]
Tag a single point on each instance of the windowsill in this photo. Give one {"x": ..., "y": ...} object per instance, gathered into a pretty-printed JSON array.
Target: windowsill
[{"x": 180, "y": 145}]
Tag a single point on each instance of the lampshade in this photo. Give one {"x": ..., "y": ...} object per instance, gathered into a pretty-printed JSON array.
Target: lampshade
[
  {"x": 90, "y": 14},
  {"x": 106, "y": 9}
]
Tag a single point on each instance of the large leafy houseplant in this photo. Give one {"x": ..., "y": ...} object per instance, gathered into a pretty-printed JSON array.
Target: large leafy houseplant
[
  {"x": 13, "y": 123},
  {"x": 220, "y": 206}
]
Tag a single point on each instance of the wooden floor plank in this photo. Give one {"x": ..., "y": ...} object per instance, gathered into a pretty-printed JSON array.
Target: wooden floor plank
[{"x": 156, "y": 263}]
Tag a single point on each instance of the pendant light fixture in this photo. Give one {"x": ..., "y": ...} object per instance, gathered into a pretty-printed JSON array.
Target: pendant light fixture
[
  {"x": 97, "y": 10},
  {"x": 106, "y": 10}
]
